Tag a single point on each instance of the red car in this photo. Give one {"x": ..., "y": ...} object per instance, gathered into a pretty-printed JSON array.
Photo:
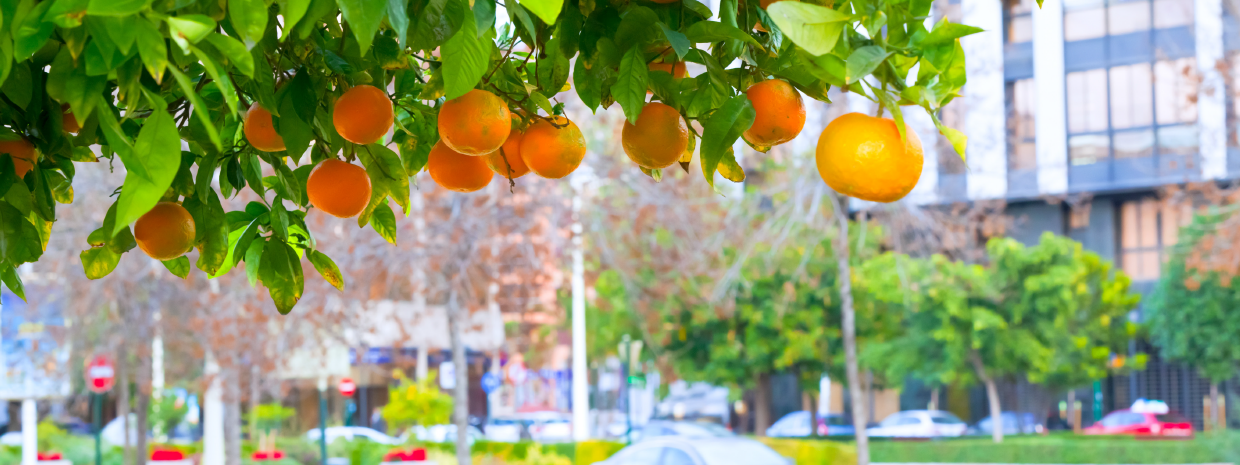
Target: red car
[{"x": 1127, "y": 422}]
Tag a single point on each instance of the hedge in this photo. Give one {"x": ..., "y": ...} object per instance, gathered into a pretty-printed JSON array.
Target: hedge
[
  {"x": 815, "y": 452},
  {"x": 1062, "y": 449}
]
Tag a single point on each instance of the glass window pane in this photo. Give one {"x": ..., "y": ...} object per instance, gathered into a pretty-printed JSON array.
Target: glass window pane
[
  {"x": 1133, "y": 144},
  {"x": 1171, "y": 224},
  {"x": 1084, "y": 24},
  {"x": 1082, "y": 4},
  {"x": 1149, "y": 265},
  {"x": 1087, "y": 101},
  {"x": 1178, "y": 140},
  {"x": 1148, "y": 223},
  {"x": 1172, "y": 13},
  {"x": 1020, "y": 29},
  {"x": 1175, "y": 90},
  {"x": 1131, "y": 96},
  {"x": 1024, "y": 157},
  {"x": 1130, "y": 263},
  {"x": 1016, "y": 7},
  {"x": 1088, "y": 149},
  {"x": 1124, "y": 18},
  {"x": 1128, "y": 225}
]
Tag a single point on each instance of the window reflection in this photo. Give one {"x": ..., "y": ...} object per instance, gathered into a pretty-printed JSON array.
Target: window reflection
[
  {"x": 1084, "y": 24},
  {"x": 1088, "y": 149},
  {"x": 1178, "y": 140},
  {"x": 1022, "y": 101},
  {"x": 1175, "y": 90},
  {"x": 1087, "y": 101},
  {"x": 1173, "y": 13},
  {"x": 1128, "y": 17},
  {"x": 1131, "y": 96},
  {"x": 1133, "y": 144}
]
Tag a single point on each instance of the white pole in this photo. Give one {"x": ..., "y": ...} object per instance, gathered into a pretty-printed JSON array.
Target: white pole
[
  {"x": 30, "y": 433},
  {"x": 212, "y": 416},
  {"x": 581, "y": 388}
]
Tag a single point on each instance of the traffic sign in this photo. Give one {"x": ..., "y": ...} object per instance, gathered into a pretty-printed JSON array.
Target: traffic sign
[
  {"x": 347, "y": 387},
  {"x": 515, "y": 372},
  {"x": 100, "y": 374},
  {"x": 490, "y": 382}
]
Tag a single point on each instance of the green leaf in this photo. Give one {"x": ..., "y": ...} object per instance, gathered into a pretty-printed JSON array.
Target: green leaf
[
  {"x": 219, "y": 76},
  {"x": 292, "y": 11},
  {"x": 722, "y": 130},
  {"x": 212, "y": 228},
  {"x": 189, "y": 29},
  {"x": 382, "y": 161},
  {"x": 296, "y": 132},
  {"x": 249, "y": 18},
  {"x": 116, "y": 7},
  {"x": 67, "y": 13},
  {"x": 364, "y": 17},
  {"x": 697, "y": 7},
  {"x": 465, "y": 58},
  {"x": 233, "y": 50},
  {"x": 546, "y": 10},
  {"x": 8, "y": 275},
  {"x": 439, "y": 21},
  {"x": 19, "y": 241},
  {"x": 98, "y": 262},
  {"x": 32, "y": 33},
  {"x": 200, "y": 111},
  {"x": 152, "y": 48},
  {"x": 384, "y": 222},
  {"x": 710, "y": 31},
  {"x": 178, "y": 266},
  {"x": 680, "y": 43},
  {"x": 150, "y": 167},
  {"x": 398, "y": 17},
  {"x": 242, "y": 244},
  {"x": 630, "y": 87},
  {"x": 946, "y": 32},
  {"x": 281, "y": 272},
  {"x": 814, "y": 28},
  {"x": 959, "y": 141},
  {"x": 327, "y": 268},
  {"x": 864, "y": 61}
]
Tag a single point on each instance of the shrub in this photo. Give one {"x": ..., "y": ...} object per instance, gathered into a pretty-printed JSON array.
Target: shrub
[
  {"x": 805, "y": 451},
  {"x": 589, "y": 452}
]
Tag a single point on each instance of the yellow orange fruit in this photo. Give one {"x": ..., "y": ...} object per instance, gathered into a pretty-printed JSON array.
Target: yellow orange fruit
[
  {"x": 23, "y": 155},
  {"x": 659, "y": 138},
  {"x": 675, "y": 68},
  {"x": 507, "y": 160},
  {"x": 67, "y": 121},
  {"x": 862, "y": 156},
  {"x": 260, "y": 131},
  {"x": 553, "y": 152},
  {"x": 475, "y": 124},
  {"x": 363, "y": 115},
  {"x": 339, "y": 188},
  {"x": 166, "y": 232},
  {"x": 779, "y": 113},
  {"x": 455, "y": 171}
]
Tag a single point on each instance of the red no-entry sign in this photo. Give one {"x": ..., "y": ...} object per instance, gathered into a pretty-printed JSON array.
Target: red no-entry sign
[
  {"x": 347, "y": 387},
  {"x": 100, "y": 375}
]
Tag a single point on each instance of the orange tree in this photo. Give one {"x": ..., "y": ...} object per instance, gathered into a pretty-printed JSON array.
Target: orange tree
[{"x": 200, "y": 99}]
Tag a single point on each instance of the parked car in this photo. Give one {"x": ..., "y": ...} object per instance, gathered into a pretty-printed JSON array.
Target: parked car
[
  {"x": 548, "y": 426},
  {"x": 1128, "y": 422},
  {"x": 505, "y": 429},
  {"x": 919, "y": 424},
  {"x": 796, "y": 425},
  {"x": 442, "y": 433},
  {"x": 1013, "y": 423},
  {"x": 683, "y": 429},
  {"x": 697, "y": 451},
  {"x": 352, "y": 433}
]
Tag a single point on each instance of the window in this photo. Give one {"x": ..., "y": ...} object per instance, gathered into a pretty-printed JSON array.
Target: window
[
  {"x": 1093, "y": 19},
  {"x": 1019, "y": 21},
  {"x": 1147, "y": 228},
  {"x": 1022, "y": 101}
]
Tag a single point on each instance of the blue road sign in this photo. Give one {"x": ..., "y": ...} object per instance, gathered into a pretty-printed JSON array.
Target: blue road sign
[{"x": 490, "y": 382}]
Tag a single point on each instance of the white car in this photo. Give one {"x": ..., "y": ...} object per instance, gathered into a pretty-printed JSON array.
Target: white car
[
  {"x": 675, "y": 450},
  {"x": 503, "y": 429},
  {"x": 443, "y": 433},
  {"x": 549, "y": 427},
  {"x": 919, "y": 424},
  {"x": 350, "y": 433}
]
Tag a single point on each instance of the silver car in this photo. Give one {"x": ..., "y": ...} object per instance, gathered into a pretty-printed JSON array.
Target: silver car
[{"x": 674, "y": 450}]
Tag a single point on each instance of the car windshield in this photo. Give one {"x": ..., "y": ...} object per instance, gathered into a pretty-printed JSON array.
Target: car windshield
[
  {"x": 943, "y": 418},
  {"x": 1171, "y": 418},
  {"x": 838, "y": 421},
  {"x": 737, "y": 452},
  {"x": 897, "y": 419}
]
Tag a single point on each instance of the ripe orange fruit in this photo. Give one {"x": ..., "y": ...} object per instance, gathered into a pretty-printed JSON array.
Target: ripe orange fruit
[
  {"x": 675, "y": 68},
  {"x": 779, "y": 113},
  {"x": 166, "y": 232},
  {"x": 456, "y": 171},
  {"x": 553, "y": 152},
  {"x": 507, "y": 160},
  {"x": 862, "y": 156},
  {"x": 659, "y": 138},
  {"x": 363, "y": 115},
  {"x": 475, "y": 124},
  {"x": 67, "y": 121},
  {"x": 260, "y": 131},
  {"x": 339, "y": 188},
  {"x": 23, "y": 155}
]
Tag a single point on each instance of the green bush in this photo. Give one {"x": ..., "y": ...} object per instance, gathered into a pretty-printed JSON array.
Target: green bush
[
  {"x": 815, "y": 452},
  {"x": 589, "y": 452},
  {"x": 1066, "y": 449}
]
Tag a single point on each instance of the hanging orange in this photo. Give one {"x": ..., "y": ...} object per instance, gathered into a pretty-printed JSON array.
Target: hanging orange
[
  {"x": 862, "y": 156},
  {"x": 339, "y": 188},
  {"x": 553, "y": 152},
  {"x": 67, "y": 121},
  {"x": 475, "y": 124},
  {"x": 659, "y": 138},
  {"x": 166, "y": 231},
  {"x": 23, "y": 155},
  {"x": 779, "y": 113},
  {"x": 363, "y": 115},
  {"x": 455, "y": 171},
  {"x": 260, "y": 131},
  {"x": 507, "y": 160}
]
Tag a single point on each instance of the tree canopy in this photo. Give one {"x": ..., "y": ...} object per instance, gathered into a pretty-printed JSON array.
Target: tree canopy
[{"x": 163, "y": 86}]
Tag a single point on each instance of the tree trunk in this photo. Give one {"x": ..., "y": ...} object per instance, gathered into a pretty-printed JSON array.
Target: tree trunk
[
  {"x": 232, "y": 419},
  {"x": 460, "y": 391},
  {"x": 122, "y": 406},
  {"x": 992, "y": 397},
  {"x": 811, "y": 406},
  {"x": 762, "y": 404},
  {"x": 1071, "y": 411},
  {"x": 143, "y": 406},
  {"x": 934, "y": 398},
  {"x": 844, "y": 275},
  {"x": 1214, "y": 408}
]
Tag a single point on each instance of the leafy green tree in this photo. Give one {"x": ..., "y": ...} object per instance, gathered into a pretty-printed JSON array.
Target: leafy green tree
[
  {"x": 412, "y": 403},
  {"x": 1194, "y": 312},
  {"x": 163, "y": 85}
]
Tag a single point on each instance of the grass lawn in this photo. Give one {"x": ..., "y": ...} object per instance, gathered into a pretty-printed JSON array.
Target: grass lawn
[{"x": 1063, "y": 448}]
